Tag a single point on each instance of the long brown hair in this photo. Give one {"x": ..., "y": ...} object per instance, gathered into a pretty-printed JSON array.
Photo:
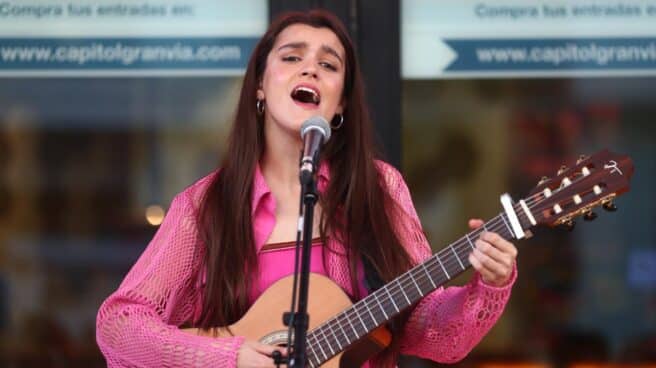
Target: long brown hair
[{"x": 356, "y": 193}]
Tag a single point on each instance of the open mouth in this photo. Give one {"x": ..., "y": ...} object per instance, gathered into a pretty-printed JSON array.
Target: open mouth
[{"x": 306, "y": 95}]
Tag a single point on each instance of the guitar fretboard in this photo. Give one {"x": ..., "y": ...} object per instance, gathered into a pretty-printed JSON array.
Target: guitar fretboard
[{"x": 341, "y": 331}]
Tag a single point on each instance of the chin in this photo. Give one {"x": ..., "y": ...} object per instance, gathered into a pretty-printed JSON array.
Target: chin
[{"x": 292, "y": 121}]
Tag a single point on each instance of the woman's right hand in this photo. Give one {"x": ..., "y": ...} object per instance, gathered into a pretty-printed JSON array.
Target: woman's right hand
[{"x": 253, "y": 354}]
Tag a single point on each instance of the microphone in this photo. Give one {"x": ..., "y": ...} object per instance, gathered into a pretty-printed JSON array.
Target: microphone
[{"x": 315, "y": 131}]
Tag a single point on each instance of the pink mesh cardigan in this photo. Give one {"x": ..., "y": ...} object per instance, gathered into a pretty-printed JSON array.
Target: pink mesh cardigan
[{"x": 138, "y": 325}]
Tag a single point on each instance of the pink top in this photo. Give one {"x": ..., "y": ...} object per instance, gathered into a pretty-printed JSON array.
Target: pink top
[
  {"x": 138, "y": 325},
  {"x": 277, "y": 261},
  {"x": 274, "y": 264}
]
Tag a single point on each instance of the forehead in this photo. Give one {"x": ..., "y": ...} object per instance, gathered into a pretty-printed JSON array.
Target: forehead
[{"x": 313, "y": 37}]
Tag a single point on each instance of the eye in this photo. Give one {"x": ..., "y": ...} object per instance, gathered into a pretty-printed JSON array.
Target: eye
[
  {"x": 291, "y": 58},
  {"x": 328, "y": 65}
]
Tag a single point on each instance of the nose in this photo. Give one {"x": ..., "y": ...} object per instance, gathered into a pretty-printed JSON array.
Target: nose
[{"x": 309, "y": 70}]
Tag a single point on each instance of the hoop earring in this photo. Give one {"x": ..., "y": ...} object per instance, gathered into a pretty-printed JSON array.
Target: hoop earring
[
  {"x": 338, "y": 125},
  {"x": 259, "y": 106}
]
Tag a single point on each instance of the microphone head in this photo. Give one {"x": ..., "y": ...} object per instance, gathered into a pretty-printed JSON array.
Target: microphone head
[{"x": 317, "y": 123}]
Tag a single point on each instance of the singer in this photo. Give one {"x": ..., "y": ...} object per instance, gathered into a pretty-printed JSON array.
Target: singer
[{"x": 225, "y": 239}]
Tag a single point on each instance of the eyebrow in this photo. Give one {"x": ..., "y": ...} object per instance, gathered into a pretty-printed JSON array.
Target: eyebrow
[{"x": 303, "y": 45}]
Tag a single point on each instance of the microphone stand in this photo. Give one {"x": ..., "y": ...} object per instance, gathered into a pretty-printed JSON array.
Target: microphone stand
[
  {"x": 298, "y": 319},
  {"x": 302, "y": 319}
]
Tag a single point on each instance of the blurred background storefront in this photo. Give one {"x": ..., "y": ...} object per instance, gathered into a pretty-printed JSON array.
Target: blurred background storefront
[{"x": 108, "y": 109}]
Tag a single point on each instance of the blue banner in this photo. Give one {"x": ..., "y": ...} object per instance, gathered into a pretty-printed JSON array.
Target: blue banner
[
  {"x": 553, "y": 54},
  {"x": 125, "y": 54},
  {"x": 527, "y": 38}
]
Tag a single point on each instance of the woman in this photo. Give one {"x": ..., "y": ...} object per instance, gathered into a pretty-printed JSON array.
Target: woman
[{"x": 208, "y": 262}]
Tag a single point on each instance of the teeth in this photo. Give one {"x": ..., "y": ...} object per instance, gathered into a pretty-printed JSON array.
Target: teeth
[
  {"x": 306, "y": 89},
  {"x": 313, "y": 93}
]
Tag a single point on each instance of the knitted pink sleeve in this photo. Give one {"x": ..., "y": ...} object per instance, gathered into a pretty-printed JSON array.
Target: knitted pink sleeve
[
  {"x": 137, "y": 326},
  {"x": 447, "y": 323}
]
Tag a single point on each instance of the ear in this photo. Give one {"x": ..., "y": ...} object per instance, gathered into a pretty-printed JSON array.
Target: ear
[{"x": 260, "y": 93}]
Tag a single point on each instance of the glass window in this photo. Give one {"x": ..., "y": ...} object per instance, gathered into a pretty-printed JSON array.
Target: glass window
[{"x": 497, "y": 94}]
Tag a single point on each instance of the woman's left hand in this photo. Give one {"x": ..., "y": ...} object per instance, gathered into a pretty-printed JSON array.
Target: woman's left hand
[{"x": 494, "y": 257}]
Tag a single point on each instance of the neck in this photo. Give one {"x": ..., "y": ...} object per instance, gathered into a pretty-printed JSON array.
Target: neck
[{"x": 279, "y": 164}]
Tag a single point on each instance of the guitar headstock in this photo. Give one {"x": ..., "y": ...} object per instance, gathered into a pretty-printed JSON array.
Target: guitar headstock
[{"x": 594, "y": 181}]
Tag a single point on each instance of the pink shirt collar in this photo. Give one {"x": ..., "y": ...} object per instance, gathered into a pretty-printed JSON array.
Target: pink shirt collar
[{"x": 263, "y": 205}]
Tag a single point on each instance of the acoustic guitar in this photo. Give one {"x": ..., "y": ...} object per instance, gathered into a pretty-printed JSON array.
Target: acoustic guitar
[{"x": 343, "y": 334}]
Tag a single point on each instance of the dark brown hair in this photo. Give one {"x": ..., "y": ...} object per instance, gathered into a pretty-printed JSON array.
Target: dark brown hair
[{"x": 356, "y": 193}]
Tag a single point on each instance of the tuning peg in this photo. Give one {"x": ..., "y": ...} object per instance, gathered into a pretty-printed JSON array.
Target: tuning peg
[
  {"x": 569, "y": 225},
  {"x": 589, "y": 216},
  {"x": 609, "y": 206},
  {"x": 581, "y": 159},
  {"x": 543, "y": 180},
  {"x": 562, "y": 169}
]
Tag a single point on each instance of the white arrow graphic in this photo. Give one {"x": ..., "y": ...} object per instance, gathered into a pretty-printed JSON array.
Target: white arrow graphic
[{"x": 425, "y": 56}]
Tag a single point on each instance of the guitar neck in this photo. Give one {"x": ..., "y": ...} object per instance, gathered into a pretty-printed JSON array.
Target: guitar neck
[{"x": 341, "y": 331}]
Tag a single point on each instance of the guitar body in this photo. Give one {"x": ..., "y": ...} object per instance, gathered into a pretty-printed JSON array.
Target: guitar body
[{"x": 263, "y": 321}]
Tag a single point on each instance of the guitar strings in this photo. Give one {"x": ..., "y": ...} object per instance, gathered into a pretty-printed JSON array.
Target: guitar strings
[
  {"x": 394, "y": 289},
  {"x": 496, "y": 224}
]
